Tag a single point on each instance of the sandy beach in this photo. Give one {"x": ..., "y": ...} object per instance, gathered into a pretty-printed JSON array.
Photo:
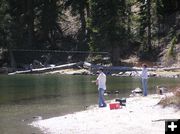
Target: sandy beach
[{"x": 141, "y": 115}]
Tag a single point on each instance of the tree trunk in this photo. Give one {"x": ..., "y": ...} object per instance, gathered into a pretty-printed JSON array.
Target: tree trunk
[
  {"x": 129, "y": 19},
  {"x": 30, "y": 22},
  {"x": 12, "y": 60},
  {"x": 149, "y": 24},
  {"x": 88, "y": 15},
  {"x": 115, "y": 55},
  {"x": 158, "y": 23},
  {"x": 83, "y": 29}
]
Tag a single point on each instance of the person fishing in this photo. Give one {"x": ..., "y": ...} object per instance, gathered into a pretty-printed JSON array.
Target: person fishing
[
  {"x": 144, "y": 77},
  {"x": 101, "y": 82}
]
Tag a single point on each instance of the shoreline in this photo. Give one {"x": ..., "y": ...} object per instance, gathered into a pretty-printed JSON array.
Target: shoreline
[
  {"x": 155, "y": 74},
  {"x": 85, "y": 68},
  {"x": 158, "y": 73},
  {"x": 140, "y": 115}
]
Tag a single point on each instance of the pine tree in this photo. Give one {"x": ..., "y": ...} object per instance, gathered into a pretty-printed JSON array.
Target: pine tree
[
  {"x": 5, "y": 19},
  {"x": 80, "y": 8},
  {"x": 145, "y": 28},
  {"x": 108, "y": 28}
]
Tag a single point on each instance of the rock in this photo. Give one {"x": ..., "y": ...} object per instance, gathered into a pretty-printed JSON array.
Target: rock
[
  {"x": 177, "y": 92},
  {"x": 24, "y": 120},
  {"x": 116, "y": 92},
  {"x": 161, "y": 90},
  {"x": 107, "y": 93},
  {"x": 137, "y": 90},
  {"x": 37, "y": 117}
]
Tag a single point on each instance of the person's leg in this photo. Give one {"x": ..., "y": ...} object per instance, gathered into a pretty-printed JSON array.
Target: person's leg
[
  {"x": 101, "y": 98},
  {"x": 144, "y": 86}
]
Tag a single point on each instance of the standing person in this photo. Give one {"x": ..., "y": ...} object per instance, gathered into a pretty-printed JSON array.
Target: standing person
[
  {"x": 101, "y": 82},
  {"x": 144, "y": 77}
]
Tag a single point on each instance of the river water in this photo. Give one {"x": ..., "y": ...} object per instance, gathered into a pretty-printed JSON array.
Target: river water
[{"x": 25, "y": 98}]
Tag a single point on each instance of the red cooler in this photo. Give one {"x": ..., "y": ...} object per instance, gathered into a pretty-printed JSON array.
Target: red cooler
[{"x": 114, "y": 105}]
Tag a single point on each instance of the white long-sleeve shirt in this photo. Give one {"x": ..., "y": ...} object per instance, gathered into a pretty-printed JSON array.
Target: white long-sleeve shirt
[
  {"x": 144, "y": 73},
  {"x": 101, "y": 81}
]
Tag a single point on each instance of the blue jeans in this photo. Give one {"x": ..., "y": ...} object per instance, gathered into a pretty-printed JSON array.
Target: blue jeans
[
  {"x": 101, "y": 98},
  {"x": 144, "y": 86}
]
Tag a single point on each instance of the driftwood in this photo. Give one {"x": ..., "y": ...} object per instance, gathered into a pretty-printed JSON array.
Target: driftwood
[
  {"x": 91, "y": 67},
  {"x": 47, "y": 69},
  {"x": 109, "y": 69},
  {"x": 125, "y": 69},
  {"x": 160, "y": 120},
  {"x": 171, "y": 68}
]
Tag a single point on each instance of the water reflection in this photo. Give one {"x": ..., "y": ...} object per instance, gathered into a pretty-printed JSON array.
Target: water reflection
[
  {"x": 24, "y": 96},
  {"x": 38, "y": 87}
]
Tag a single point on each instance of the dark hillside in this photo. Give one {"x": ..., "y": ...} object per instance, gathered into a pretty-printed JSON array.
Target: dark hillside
[{"x": 143, "y": 29}]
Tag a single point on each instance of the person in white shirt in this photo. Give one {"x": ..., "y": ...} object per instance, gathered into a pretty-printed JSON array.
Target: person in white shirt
[
  {"x": 144, "y": 77},
  {"x": 101, "y": 82}
]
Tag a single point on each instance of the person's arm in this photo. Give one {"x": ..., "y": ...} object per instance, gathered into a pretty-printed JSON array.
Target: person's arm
[{"x": 96, "y": 81}]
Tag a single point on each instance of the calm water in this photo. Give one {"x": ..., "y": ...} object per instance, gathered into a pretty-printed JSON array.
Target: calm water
[{"x": 24, "y": 96}]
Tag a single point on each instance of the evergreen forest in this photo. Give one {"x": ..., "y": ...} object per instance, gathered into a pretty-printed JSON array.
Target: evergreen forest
[{"x": 116, "y": 28}]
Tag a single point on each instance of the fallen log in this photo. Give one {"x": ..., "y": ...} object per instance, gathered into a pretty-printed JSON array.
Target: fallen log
[
  {"x": 109, "y": 69},
  {"x": 47, "y": 69},
  {"x": 171, "y": 68}
]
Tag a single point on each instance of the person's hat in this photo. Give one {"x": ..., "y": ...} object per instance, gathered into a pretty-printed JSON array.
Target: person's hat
[
  {"x": 144, "y": 65},
  {"x": 101, "y": 68}
]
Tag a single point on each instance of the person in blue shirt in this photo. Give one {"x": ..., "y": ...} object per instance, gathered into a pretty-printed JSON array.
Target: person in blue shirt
[{"x": 144, "y": 78}]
